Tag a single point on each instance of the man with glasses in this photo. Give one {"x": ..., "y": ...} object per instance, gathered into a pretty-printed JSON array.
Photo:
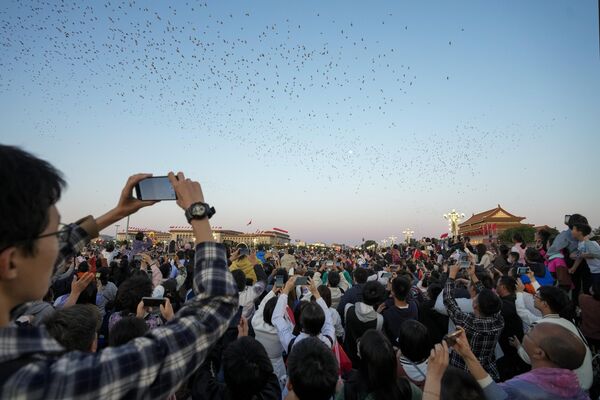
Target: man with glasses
[
  {"x": 551, "y": 301},
  {"x": 32, "y": 364},
  {"x": 554, "y": 352}
]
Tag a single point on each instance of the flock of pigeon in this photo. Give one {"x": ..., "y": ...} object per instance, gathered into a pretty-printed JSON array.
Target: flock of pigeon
[{"x": 321, "y": 94}]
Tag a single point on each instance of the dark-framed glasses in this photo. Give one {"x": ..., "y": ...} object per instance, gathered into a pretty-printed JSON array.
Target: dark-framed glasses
[{"x": 63, "y": 234}]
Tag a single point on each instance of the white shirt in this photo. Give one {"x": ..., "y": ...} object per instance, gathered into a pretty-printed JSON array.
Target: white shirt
[
  {"x": 526, "y": 310},
  {"x": 285, "y": 328},
  {"x": 336, "y": 320},
  {"x": 248, "y": 296},
  {"x": 266, "y": 335},
  {"x": 593, "y": 248}
]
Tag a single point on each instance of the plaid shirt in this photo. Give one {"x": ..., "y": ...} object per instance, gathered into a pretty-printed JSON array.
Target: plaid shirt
[
  {"x": 149, "y": 367},
  {"x": 482, "y": 332}
]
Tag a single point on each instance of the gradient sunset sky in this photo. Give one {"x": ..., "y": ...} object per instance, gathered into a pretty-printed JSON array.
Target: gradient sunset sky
[{"x": 335, "y": 120}]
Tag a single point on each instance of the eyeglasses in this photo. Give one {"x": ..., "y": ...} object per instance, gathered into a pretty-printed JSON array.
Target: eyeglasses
[{"x": 63, "y": 234}]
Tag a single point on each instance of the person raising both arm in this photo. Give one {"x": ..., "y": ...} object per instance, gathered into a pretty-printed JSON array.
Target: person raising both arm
[{"x": 32, "y": 364}]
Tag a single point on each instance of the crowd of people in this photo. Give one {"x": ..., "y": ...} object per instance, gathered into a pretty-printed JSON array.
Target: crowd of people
[{"x": 430, "y": 320}]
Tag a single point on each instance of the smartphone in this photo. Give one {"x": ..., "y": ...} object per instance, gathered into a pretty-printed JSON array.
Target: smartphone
[
  {"x": 97, "y": 275},
  {"x": 450, "y": 338},
  {"x": 279, "y": 281},
  {"x": 329, "y": 263},
  {"x": 301, "y": 281},
  {"x": 567, "y": 218},
  {"x": 153, "y": 301},
  {"x": 386, "y": 275},
  {"x": 155, "y": 188},
  {"x": 522, "y": 270},
  {"x": 464, "y": 264}
]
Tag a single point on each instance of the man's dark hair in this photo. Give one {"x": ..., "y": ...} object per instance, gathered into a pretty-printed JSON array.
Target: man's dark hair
[
  {"x": 585, "y": 229},
  {"x": 312, "y": 318},
  {"x": 434, "y": 290},
  {"x": 165, "y": 270},
  {"x": 246, "y": 367},
  {"x": 504, "y": 250},
  {"x": 88, "y": 295},
  {"x": 83, "y": 267},
  {"x": 458, "y": 384},
  {"x": 360, "y": 275},
  {"x": 486, "y": 280},
  {"x": 414, "y": 340},
  {"x": 139, "y": 236},
  {"x": 333, "y": 278},
  {"x": 240, "y": 279},
  {"x": 373, "y": 292},
  {"x": 556, "y": 298},
  {"x": 533, "y": 255},
  {"x": 401, "y": 287},
  {"x": 74, "y": 327},
  {"x": 131, "y": 291},
  {"x": 509, "y": 283},
  {"x": 126, "y": 329},
  {"x": 515, "y": 255},
  {"x": 489, "y": 302},
  {"x": 377, "y": 370},
  {"x": 29, "y": 187},
  {"x": 325, "y": 293},
  {"x": 291, "y": 251},
  {"x": 576, "y": 219},
  {"x": 312, "y": 370}
]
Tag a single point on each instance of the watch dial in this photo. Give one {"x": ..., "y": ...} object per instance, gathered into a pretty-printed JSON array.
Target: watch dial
[{"x": 199, "y": 210}]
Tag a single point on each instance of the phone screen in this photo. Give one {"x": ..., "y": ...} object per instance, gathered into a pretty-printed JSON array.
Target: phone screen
[
  {"x": 155, "y": 188},
  {"x": 567, "y": 218},
  {"x": 153, "y": 301},
  {"x": 279, "y": 281},
  {"x": 301, "y": 280}
]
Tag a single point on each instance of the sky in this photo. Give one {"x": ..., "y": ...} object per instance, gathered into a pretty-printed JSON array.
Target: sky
[{"x": 336, "y": 120}]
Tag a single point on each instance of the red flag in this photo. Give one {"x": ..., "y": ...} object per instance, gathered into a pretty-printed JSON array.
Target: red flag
[{"x": 280, "y": 230}]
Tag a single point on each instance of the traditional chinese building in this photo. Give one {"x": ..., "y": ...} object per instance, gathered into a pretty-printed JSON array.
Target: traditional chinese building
[{"x": 489, "y": 223}]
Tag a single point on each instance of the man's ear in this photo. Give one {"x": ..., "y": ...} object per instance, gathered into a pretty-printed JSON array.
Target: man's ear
[
  {"x": 538, "y": 354},
  {"x": 8, "y": 269}
]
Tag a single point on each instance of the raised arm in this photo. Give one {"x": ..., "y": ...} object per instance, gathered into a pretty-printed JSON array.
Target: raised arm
[
  {"x": 328, "y": 329},
  {"x": 284, "y": 328},
  {"x": 454, "y": 311}
]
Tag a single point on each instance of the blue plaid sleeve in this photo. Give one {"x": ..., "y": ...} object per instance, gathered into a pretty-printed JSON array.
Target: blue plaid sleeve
[
  {"x": 149, "y": 367},
  {"x": 76, "y": 241},
  {"x": 454, "y": 311}
]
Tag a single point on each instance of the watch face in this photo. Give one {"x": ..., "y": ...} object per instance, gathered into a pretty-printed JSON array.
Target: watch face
[{"x": 198, "y": 209}]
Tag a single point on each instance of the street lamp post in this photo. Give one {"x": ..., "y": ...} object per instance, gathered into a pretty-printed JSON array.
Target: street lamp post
[
  {"x": 116, "y": 232},
  {"x": 408, "y": 234},
  {"x": 453, "y": 220},
  {"x": 392, "y": 239}
]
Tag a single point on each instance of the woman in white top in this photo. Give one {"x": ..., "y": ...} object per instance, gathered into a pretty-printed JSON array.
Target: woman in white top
[{"x": 266, "y": 333}]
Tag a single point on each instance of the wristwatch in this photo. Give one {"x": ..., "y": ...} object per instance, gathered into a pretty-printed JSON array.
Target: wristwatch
[{"x": 199, "y": 210}]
